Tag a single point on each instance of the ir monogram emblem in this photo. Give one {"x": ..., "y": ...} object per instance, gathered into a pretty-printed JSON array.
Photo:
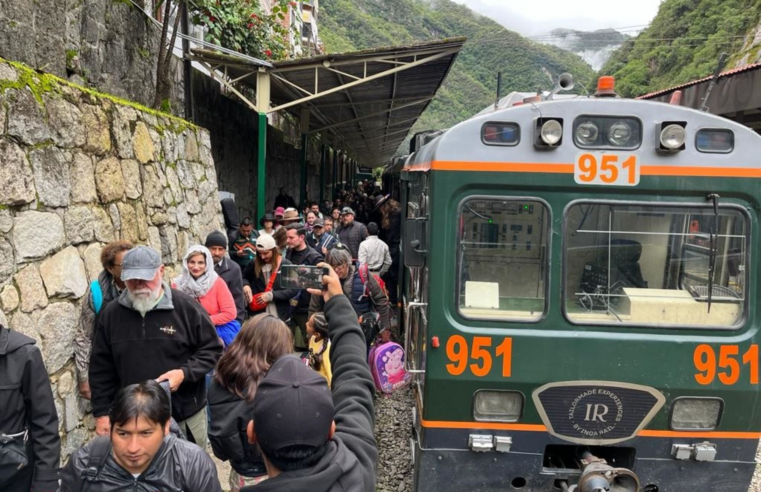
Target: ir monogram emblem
[
  {"x": 596, "y": 412},
  {"x": 169, "y": 330}
]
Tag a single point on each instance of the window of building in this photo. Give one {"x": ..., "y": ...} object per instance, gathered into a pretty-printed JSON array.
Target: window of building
[
  {"x": 655, "y": 264},
  {"x": 502, "y": 258}
]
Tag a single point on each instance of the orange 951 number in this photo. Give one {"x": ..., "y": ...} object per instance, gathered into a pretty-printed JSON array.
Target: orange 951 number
[
  {"x": 727, "y": 364},
  {"x": 478, "y": 357}
]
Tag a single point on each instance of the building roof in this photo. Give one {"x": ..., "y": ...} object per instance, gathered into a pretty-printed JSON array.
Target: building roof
[
  {"x": 728, "y": 73},
  {"x": 365, "y": 101}
]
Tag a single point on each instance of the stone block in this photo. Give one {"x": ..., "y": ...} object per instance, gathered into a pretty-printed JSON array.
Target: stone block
[
  {"x": 153, "y": 190},
  {"x": 169, "y": 143},
  {"x": 65, "y": 121},
  {"x": 142, "y": 143},
  {"x": 154, "y": 238},
  {"x": 15, "y": 175},
  {"x": 174, "y": 184},
  {"x": 116, "y": 220},
  {"x": 51, "y": 176},
  {"x": 32, "y": 290},
  {"x": 97, "y": 130},
  {"x": 109, "y": 179},
  {"x": 26, "y": 118},
  {"x": 133, "y": 187},
  {"x": 65, "y": 384},
  {"x": 7, "y": 72},
  {"x": 120, "y": 128},
  {"x": 79, "y": 224},
  {"x": 129, "y": 229},
  {"x": 185, "y": 174},
  {"x": 37, "y": 234},
  {"x": 6, "y": 221},
  {"x": 57, "y": 325},
  {"x": 7, "y": 264},
  {"x": 72, "y": 411},
  {"x": 83, "y": 189},
  {"x": 191, "y": 146},
  {"x": 169, "y": 253},
  {"x": 183, "y": 219},
  {"x": 64, "y": 274},
  {"x": 92, "y": 261},
  {"x": 104, "y": 230},
  {"x": 24, "y": 324},
  {"x": 142, "y": 221},
  {"x": 9, "y": 298},
  {"x": 74, "y": 440}
]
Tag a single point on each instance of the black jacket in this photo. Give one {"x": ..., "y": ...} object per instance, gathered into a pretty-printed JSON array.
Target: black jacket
[
  {"x": 129, "y": 349},
  {"x": 26, "y": 402},
  {"x": 233, "y": 277},
  {"x": 280, "y": 296},
  {"x": 308, "y": 256},
  {"x": 349, "y": 464},
  {"x": 179, "y": 465},
  {"x": 352, "y": 236},
  {"x": 229, "y": 417}
]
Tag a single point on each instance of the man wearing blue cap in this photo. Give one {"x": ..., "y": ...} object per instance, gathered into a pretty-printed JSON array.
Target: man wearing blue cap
[
  {"x": 332, "y": 447},
  {"x": 153, "y": 332}
]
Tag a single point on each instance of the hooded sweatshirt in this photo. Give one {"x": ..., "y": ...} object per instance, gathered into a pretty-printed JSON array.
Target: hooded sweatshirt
[
  {"x": 349, "y": 464},
  {"x": 26, "y": 403}
]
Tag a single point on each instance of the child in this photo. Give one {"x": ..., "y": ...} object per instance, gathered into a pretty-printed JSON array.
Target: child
[{"x": 319, "y": 345}]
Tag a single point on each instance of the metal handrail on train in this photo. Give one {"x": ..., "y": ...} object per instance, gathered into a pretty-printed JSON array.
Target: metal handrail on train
[{"x": 408, "y": 324}]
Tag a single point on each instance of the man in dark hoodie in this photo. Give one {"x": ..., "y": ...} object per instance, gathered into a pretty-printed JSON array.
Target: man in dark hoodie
[
  {"x": 153, "y": 332},
  {"x": 332, "y": 448},
  {"x": 28, "y": 419},
  {"x": 300, "y": 253}
]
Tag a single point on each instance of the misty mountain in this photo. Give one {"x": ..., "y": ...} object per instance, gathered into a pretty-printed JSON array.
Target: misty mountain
[{"x": 594, "y": 47}]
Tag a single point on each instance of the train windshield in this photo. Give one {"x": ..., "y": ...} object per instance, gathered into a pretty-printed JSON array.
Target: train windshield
[
  {"x": 655, "y": 264},
  {"x": 502, "y": 258}
]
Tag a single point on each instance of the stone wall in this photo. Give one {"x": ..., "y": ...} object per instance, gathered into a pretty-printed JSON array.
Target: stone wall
[
  {"x": 105, "y": 44},
  {"x": 234, "y": 132},
  {"x": 79, "y": 169}
]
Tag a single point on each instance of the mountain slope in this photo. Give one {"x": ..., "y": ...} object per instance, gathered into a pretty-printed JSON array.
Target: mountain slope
[
  {"x": 684, "y": 43},
  {"x": 594, "y": 47},
  {"x": 347, "y": 25}
]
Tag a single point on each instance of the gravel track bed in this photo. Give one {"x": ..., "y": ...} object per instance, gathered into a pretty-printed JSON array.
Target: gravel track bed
[
  {"x": 393, "y": 425},
  {"x": 755, "y": 484}
]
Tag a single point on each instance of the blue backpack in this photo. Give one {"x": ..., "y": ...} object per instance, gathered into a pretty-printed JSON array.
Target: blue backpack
[{"x": 96, "y": 293}]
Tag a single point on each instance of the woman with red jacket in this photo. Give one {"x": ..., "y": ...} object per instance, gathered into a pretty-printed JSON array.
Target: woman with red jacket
[{"x": 199, "y": 280}]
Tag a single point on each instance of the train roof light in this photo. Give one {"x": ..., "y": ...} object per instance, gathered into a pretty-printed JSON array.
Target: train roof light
[{"x": 606, "y": 86}]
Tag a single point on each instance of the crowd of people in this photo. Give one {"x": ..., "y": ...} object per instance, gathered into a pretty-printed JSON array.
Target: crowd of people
[{"x": 274, "y": 377}]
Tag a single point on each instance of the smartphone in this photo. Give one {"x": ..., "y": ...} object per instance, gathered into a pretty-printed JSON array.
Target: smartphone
[{"x": 301, "y": 277}]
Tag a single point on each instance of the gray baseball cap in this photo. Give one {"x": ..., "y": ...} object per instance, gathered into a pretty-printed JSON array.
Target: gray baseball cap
[{"x": 140, "y": 263}]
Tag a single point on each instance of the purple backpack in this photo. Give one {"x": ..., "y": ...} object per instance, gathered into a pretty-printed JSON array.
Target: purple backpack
[{"x": 387, "y": 367}]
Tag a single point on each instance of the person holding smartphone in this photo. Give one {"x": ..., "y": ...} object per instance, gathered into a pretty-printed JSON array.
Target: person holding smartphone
[{"x": 261, "y": 281}]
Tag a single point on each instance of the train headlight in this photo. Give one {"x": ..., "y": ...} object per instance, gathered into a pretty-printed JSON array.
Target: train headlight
[
  {"x": 497, "y": 406},
  {"x": 607, "y": 132},
  {"x": 672, "y": 137},
  {"x": 696, "y": 413},
  {"x": 620, "y": 134},
  {"x": 586, "y": 134},
  {"x": 552, "y": 132}
]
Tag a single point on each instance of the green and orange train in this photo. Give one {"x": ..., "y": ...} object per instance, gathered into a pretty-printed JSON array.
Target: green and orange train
[{"x": 581, "y": 298}]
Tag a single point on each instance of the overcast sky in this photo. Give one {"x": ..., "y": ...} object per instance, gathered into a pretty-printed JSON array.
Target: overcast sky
[{"x": 532, "y": 18}]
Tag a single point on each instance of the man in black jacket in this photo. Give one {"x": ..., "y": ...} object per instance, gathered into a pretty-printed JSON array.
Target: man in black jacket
[
  {"x": 334, "y": 448},
  {"x": 153, "y": 332},
  {"x": 228, "y": 270},
  {"x": 351, "y": 233},
  {"x": 140, "y": 454},
  {"x": 300, "y": 253},
  {"x": 27, "y": 415}
]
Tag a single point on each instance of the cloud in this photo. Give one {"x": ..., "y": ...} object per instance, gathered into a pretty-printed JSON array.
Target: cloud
[{"x": 531, "y": 18}]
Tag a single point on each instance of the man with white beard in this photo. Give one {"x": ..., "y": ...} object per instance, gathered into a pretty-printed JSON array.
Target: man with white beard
[{"x": 153, "y": 332}]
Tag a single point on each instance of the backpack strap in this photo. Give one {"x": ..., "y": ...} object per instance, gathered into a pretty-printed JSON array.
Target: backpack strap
[
  {"x": 96, "y": 293},
  {"x": 101, "y": 448}
]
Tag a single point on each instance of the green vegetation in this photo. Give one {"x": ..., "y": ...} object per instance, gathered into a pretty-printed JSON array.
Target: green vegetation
[
  {"x": 683, "y": 43},
  {"x": 347, "y": 25}
]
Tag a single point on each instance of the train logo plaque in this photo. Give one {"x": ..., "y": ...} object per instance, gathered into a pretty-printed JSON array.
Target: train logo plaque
[{"x": 596, "y": 412}]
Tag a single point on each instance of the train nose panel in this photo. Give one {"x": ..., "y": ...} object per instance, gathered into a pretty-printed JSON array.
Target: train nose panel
[{"x": 596, "y": 412}]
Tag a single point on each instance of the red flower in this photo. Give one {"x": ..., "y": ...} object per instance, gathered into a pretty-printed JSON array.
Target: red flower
[
  {"x": 250, "y": 25},
  {"x": 254, "y": 16},
  {"x": 268, "y": 52}
]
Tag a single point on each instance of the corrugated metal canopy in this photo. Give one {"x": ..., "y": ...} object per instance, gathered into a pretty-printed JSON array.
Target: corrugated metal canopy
[{"x": 365, "y": 101}]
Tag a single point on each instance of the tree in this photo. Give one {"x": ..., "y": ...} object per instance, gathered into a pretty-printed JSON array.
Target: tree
[{"x": 164, "y": 64}]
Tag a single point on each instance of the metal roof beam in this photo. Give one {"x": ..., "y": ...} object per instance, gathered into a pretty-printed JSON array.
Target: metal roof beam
[
  {"x": 361, "y": 103},
  {"x": 386, "y": 73},
  {"x": 229, "y": 86},
  {"x": 370, "y": 115}
]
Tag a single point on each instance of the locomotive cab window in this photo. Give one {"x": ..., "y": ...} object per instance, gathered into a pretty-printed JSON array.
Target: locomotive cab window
[
  {"x": 502, "y": 258},
  {"x": 655, "y": 265}
]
